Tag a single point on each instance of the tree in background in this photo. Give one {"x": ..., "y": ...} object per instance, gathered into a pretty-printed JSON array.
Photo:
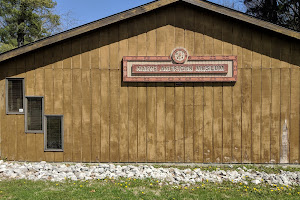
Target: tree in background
[
  {"x": 290, "y": 14},
  {"x": 282, "y": 12},
  {"x": 25, "y": 21}
]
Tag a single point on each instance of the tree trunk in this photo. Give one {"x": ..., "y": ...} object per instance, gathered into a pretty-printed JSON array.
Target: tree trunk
[
  {"x": 21, "y": 27},
  {"x": 271, "y": 9},
  {"x": 20, "y": 38}
]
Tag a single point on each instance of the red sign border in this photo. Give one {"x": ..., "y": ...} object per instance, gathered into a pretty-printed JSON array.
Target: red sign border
[{"x": 127, "y": 59}]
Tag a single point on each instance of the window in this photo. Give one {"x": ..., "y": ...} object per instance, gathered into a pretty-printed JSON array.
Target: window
[
  {"x": 34, "y": 114},
  {"x": 53, "y": 133},
  {"x": 15, "y": 95}
]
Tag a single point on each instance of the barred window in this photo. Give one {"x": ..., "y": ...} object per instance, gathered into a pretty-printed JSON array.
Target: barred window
[
  {"x": 15, "y": 95},
  {"x": 34, "y": 115},
  {"x": 53, "y": 133}
]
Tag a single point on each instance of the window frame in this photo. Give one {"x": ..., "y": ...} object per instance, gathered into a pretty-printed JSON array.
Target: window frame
[
  {"x": 62, "y": 134},
  {"x": 26, "y": 110},
  {"x": 6, "y": 96}
]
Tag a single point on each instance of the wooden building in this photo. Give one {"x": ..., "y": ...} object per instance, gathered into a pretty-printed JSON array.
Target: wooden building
[{"x": 64, "y": 98}]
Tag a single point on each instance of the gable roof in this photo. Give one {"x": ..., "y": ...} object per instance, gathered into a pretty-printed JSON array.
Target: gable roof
[{"x": 144, "y": 9}]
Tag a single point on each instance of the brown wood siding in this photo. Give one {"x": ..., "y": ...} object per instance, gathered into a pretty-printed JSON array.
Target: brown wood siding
[{"x": 107, "y": 120}]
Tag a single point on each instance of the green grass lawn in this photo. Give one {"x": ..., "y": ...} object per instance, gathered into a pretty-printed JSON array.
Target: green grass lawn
[{"x": 140, "y": 189}]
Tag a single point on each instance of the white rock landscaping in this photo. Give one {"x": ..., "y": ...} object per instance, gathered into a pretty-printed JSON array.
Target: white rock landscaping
[{"x": 60, "y": 172}]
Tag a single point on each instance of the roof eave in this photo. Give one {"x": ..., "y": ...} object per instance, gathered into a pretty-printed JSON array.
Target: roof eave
[{"x": 138, "y": 11}]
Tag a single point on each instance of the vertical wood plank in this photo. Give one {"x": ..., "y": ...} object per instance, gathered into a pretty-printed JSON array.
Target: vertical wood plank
[
  {"x": 170, "y": 126},
  {"x": 275, "y": 117},
  {"x": 104, "y": 93},
  {"x": 151, "y": 122},
  {"x": 21, "y": 150},
  {"x": 104, "y": 49},
  {"x": 114, "y": 94},
  {"x": 237, "y": 98},
  {"x": 189, "y": 122},
  {"x": 85, "y": 99},
  {"x": 67, "y": 55},
  {"x": 217, "y": 35},
  {"x": 208, "y": 33},
  {"x": 95, "y": 53},
  {"x": 114, "y": 115},
  {"x": 84, "y": 53},
  {"x": 227, "y": 122},
  {"x": 179, "y": 123},
  {"x": 285, "y": 95},
  {"x": 295, "y": 99},
  {"x": 208, "y": 123},
  {"x": 96, "y": 112},
  {"x": 246, "y": 115},
  {"x": 76, "y": 53},
  {"x": 247, "y": 47},
  {"x": 256, "y": 115},
  {"x": 170, "y": 30},
  {"x": 86, "y": 133},
  {"x": 227, "y": 38},
  {"x": 76, "y": 114},
  {"x": 67, "y": 105},
  {"x": 256, "y": 96},
  {"x": 132, "y": 117},
  {"x": 268, "y": 137},
  {"x": 217, "y": 122},
  {"x": 208, "y": 94},
  {"x": 199, "y": 37},
  {"x": 11, "y": 140},
  {"x": 294, "y": 119},
  {"x": 198, "y": 122},
  {"x": 105, "y": 104},
  {"x": 160, "y": 121},
  {"x": 113, "y": 47},
  {"x": 237, "y": 120},
  {"x": 142, "y": 122},
  {"x": 218, "y": 96},
  {"x": 179, "y": 26},
  {"x": 123, "y": 49}
]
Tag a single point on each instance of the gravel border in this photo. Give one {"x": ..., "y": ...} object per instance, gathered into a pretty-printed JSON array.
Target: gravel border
[{"x": 191, "y": 174}]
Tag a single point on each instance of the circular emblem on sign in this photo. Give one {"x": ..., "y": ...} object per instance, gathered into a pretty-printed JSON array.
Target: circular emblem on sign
[{"x": 179, "y": 55}]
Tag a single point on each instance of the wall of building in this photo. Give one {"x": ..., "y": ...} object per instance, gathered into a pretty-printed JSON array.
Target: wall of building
[{"x": 107, "y": 120}]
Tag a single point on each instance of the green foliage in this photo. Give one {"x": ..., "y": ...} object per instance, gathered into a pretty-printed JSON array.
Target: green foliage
[
  {"x": 25, "y": 21},
  {"x": 282, "y": 12}
]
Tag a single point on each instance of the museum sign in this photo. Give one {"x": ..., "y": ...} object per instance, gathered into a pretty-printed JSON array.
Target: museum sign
[{"x": 179, "y": 67}]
